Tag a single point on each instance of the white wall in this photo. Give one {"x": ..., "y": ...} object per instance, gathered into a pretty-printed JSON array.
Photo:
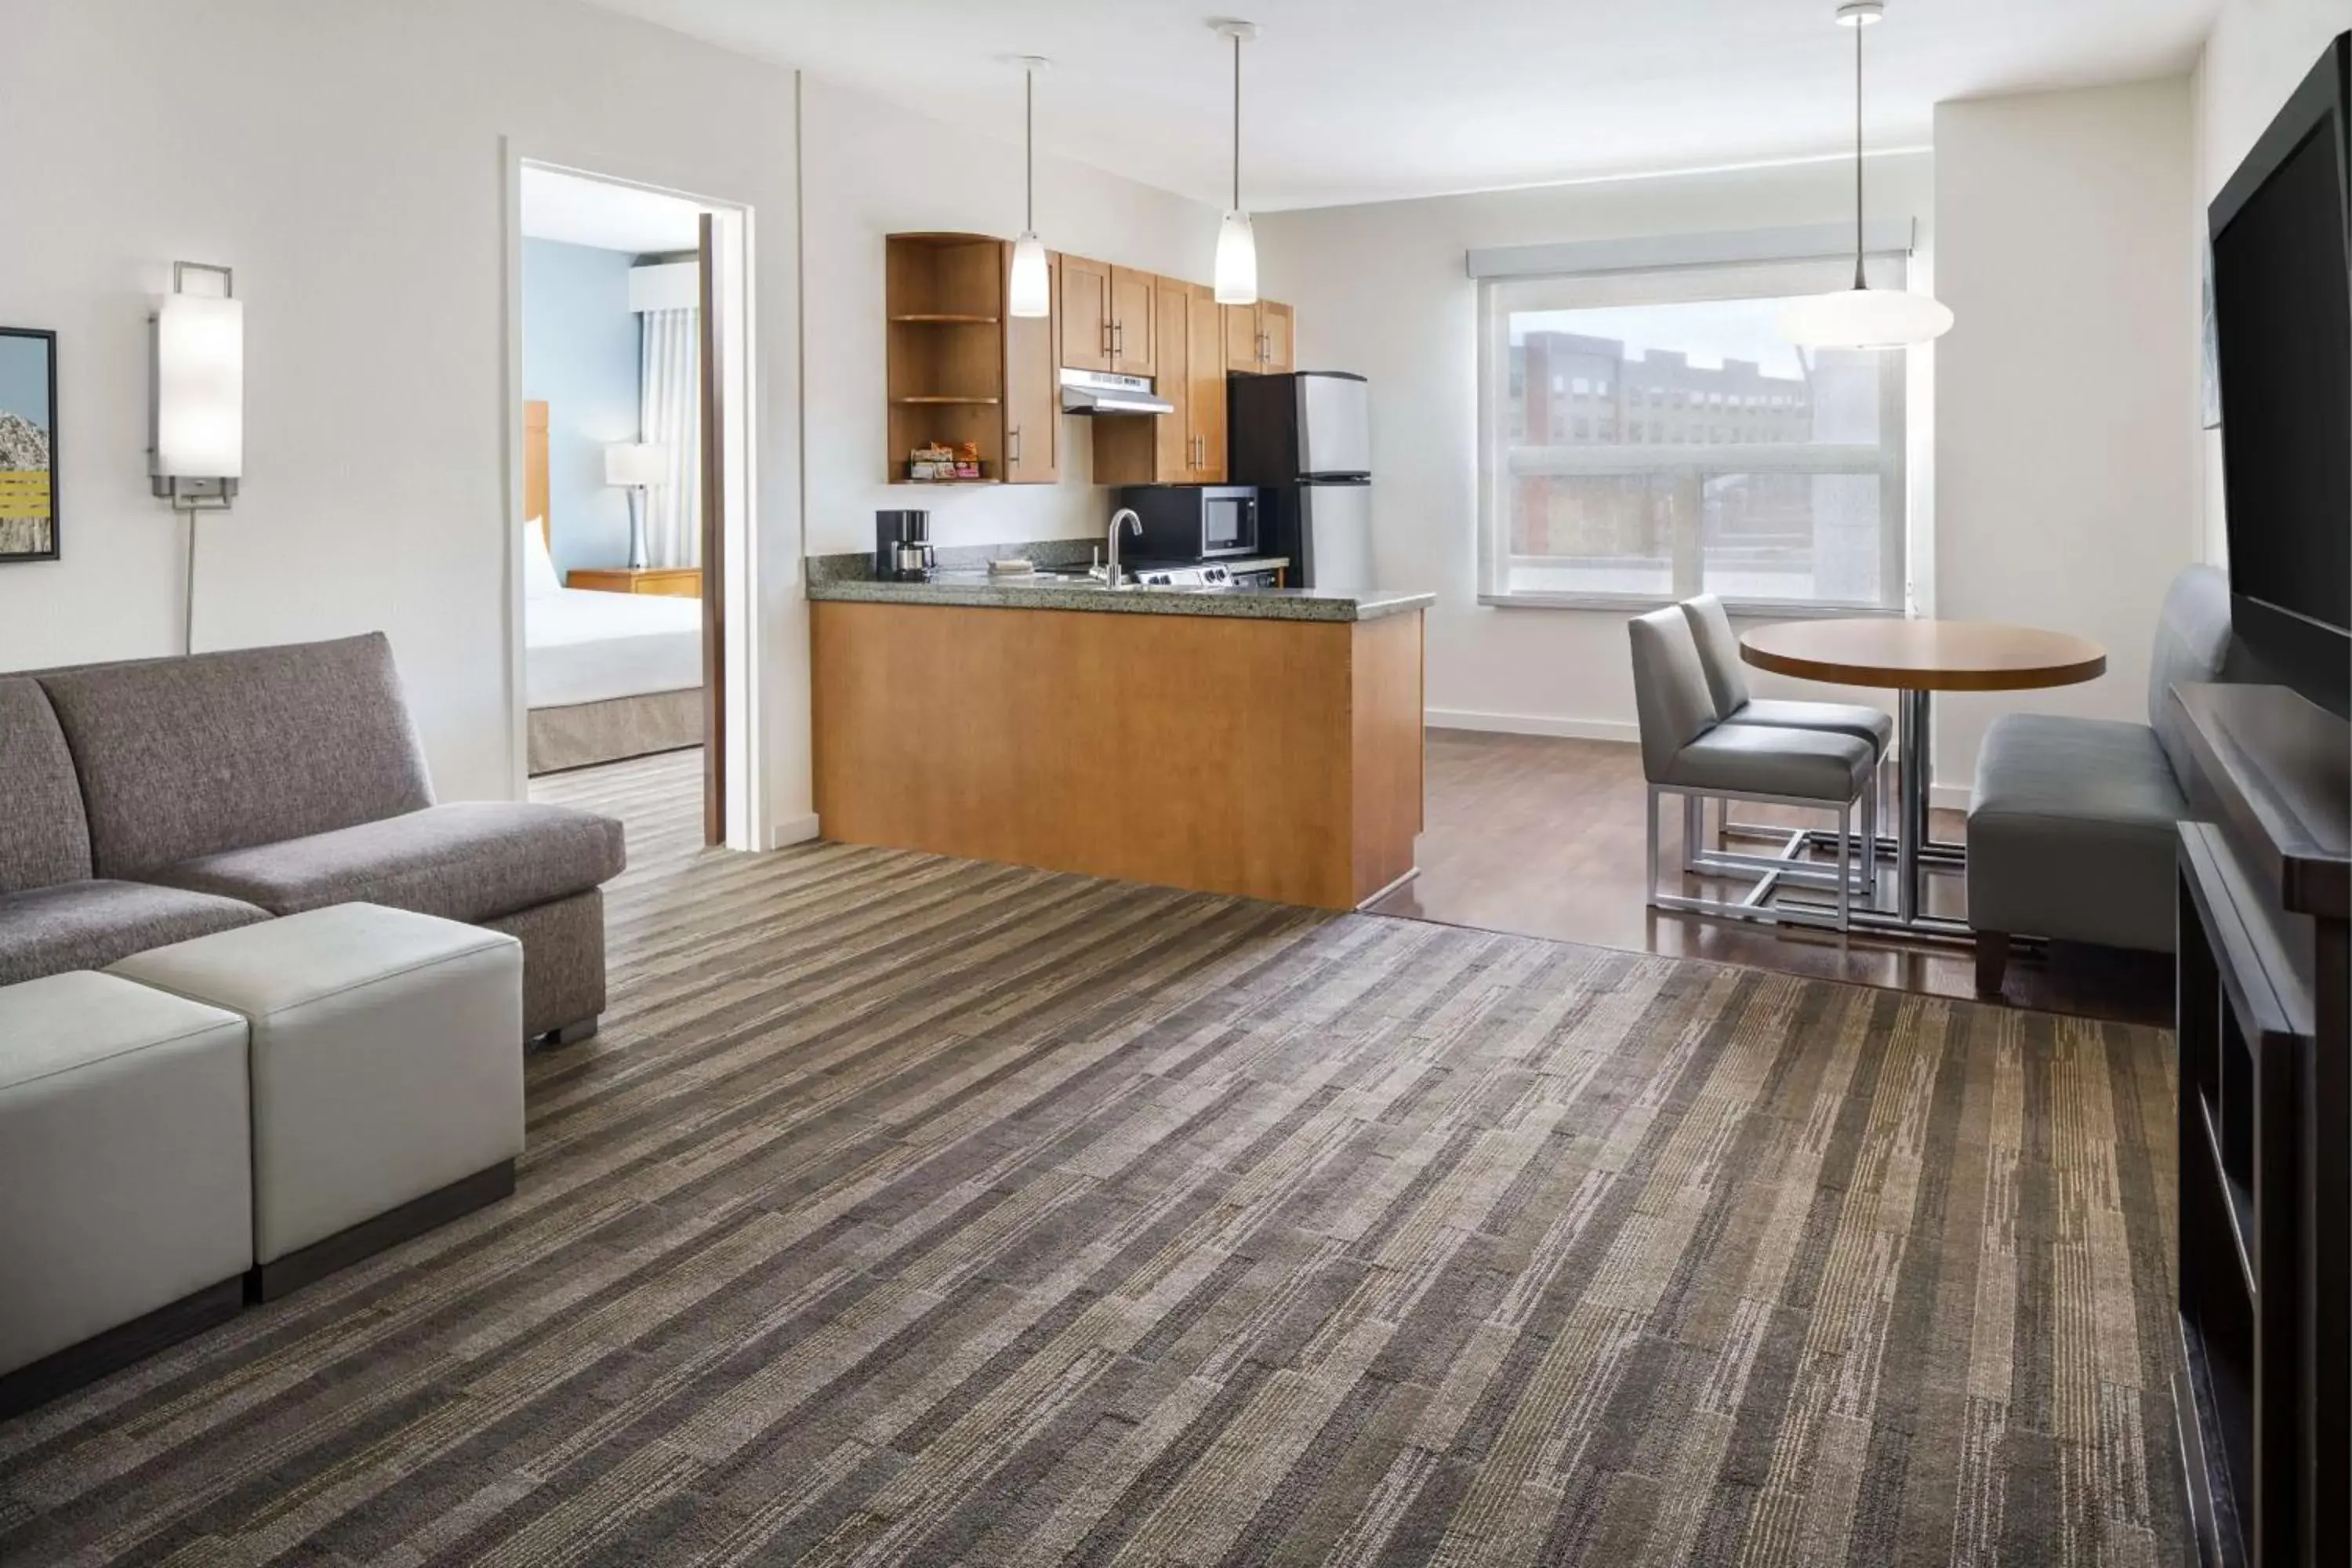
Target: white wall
[
  {"x": 1380, "y": 289},
  {"x": 873, "y": 169},
  {"x": 2067, "y": 492},
  {"x": 347, "y": 160},
  {"x": 2259, "y": 52}
]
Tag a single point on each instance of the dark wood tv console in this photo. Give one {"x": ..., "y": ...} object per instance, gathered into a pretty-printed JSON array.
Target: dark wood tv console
[{"x": 2265, "y": 1154}]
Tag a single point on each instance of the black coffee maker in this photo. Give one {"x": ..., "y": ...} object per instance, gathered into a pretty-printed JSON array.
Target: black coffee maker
[{"x": 902, "y": 546}]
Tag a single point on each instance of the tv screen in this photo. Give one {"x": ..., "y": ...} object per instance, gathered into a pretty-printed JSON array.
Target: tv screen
[{"x": 2283, "y": 324}]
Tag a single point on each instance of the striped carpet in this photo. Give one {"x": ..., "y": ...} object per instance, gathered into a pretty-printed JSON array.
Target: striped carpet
[{"x": 909, "y": 1210}]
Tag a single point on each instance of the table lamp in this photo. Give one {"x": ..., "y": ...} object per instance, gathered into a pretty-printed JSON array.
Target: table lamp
[{"x": 637, "y": 466}]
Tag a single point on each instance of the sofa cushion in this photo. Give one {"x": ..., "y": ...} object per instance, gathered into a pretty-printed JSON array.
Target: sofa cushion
[
  {"x": 88, "y": 925},
  {"x": 2073, "y": 832},
  {"x": 2192, "y": 645},
  {"x": 472, "y": 861},
  {"x": 185, "y": 757},
  {"x": 44, "y": 836}
]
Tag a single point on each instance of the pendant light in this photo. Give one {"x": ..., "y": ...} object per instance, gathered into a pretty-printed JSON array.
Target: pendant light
[
  {"x": 1030, "y": 291},
  {"x": 1236, "y": 271},
  {"x": 1862, "y": 317}
]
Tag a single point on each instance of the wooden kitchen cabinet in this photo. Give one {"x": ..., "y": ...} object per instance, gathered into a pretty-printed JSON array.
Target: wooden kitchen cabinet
[
  {"x": 1205, "y": 410},
  {"x": 1134, "y": 343},
  {"x": 1084, "y": 290},
  {"x": 1033, "y": 391},
  {"x": 1258, "y": 338},
  {"x": 1274, "y": 325},
  {"x": 945, "y": 337},
  {"x": 1186, "y": 447}
]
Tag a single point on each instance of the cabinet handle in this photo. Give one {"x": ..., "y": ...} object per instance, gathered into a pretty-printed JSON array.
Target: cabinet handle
[
  {"x": 1014, "y": 456},
  {"x": 1118, "y": 338}
]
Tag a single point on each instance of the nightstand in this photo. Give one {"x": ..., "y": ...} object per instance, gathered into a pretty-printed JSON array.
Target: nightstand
[{"x": 671, "y": 581}]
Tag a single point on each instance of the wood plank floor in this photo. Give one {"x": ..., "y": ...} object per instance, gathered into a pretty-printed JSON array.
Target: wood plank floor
[{"x": 1542, "y": 838}]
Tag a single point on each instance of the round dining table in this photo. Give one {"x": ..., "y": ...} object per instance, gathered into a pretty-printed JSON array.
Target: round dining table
[{"x": 1916, "y": 659}]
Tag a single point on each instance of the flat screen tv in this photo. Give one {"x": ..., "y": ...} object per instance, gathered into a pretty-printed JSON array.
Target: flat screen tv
[{"x": 2281, "y": 232}]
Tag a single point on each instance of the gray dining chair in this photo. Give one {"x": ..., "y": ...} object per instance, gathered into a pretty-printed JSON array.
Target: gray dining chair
[
  {"x": 1686, "y": 752},
  {"x": 1726, "y": 682}
]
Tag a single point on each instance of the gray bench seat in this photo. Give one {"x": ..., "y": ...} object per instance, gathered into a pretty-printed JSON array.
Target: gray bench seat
[
  {"x": 2073, "y": 830},
  {"x": 2073, "y": 825},
  {"x": 472, "y": 861}
]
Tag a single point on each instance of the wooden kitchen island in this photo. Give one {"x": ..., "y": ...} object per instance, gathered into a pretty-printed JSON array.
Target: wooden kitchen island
[{"x": 1266, "y": 744}]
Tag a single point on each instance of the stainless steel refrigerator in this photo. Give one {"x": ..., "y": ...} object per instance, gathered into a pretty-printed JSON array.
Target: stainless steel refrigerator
[{"x": 1305, "y": 440}]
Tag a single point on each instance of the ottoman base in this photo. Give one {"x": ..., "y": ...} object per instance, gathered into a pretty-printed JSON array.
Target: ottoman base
[
  {"x": 62, "y": 1372},
  {"x": 283, "y": 1276}
]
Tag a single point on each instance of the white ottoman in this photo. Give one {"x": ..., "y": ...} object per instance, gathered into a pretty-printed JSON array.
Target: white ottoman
[
  {"x": 387, "y": 1074},
  {"x": 126, "y": 1196}
]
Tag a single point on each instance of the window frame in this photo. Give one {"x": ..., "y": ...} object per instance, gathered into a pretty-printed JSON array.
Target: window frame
[{"x": 1888, "y": 459}]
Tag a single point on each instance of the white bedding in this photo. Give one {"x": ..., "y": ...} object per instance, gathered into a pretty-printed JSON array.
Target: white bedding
[{"x": 585, "y": 647}]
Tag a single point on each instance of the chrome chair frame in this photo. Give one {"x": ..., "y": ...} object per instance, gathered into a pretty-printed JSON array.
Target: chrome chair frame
[{"x": 1760, "y": 905}]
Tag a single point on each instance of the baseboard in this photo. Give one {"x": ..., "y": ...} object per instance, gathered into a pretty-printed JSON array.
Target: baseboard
[
  {"x": 792, "y": 830},
  {"x": 1533, "y": 724},
  {"x": 1949, "y": 797}
]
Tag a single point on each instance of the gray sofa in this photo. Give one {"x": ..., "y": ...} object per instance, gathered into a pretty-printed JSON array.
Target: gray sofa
[
  {"x": 2072, "y": 825},
  {"x": 163, "y": 799}
]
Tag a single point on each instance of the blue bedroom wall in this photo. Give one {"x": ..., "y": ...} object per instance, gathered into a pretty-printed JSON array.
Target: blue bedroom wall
[{"x": 580, "y": 356}]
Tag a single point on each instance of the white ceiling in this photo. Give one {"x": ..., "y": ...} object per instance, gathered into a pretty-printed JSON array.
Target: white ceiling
[
  {"x": 1351, "y": 101},
  {"x": 577, "y": 211}
]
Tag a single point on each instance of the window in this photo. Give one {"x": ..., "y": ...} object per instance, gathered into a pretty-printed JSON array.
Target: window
[{"x": 1782, "y": 488}]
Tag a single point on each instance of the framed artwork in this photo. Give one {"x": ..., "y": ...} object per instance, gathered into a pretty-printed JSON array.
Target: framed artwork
[{"x": 28, "y": 445}]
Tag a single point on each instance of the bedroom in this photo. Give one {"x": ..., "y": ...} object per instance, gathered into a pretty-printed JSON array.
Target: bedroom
[{"x": 611, "y": 463}]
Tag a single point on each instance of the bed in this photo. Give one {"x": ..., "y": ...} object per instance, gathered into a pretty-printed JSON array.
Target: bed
[{"x": 605, "y": 676}]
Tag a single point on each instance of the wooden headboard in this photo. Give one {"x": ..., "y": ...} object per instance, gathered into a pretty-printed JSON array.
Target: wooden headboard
[{"x": 534, "y": 470}]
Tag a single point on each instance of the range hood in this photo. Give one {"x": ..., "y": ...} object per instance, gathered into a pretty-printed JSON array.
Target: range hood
[{"x": 1094, "y": 392}]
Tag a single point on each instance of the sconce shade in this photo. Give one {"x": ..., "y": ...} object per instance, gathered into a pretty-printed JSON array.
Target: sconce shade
[
  {"x": 199, "y": 388},
  {"x": 637, "y": 463}
]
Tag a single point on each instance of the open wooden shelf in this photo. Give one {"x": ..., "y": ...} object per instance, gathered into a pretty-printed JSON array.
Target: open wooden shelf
[
  {"x": 945, "y": 318},
  {"x": 927, "y": 398}
]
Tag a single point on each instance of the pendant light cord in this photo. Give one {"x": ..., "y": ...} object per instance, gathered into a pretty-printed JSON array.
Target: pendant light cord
[
  {"x": 1238, "y": 122},
  {"x": 1029, "y": 149},
  {"x": 1859, "y": 281}
]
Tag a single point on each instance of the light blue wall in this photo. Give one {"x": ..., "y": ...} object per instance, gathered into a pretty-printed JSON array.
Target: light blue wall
[
  {"x": 580, "y": 356},
  {"x": 25, "y": 379}
]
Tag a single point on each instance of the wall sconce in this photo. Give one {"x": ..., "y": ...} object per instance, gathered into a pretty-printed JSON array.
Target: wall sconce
[{"x": 197, "y": 412}]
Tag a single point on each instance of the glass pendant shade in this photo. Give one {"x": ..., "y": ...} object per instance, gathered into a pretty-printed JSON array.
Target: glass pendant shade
[
  {"x": 1864, "y": 318},
  {"x": 1236, "y": 261},
  {"x": 1030, "y": 292}
]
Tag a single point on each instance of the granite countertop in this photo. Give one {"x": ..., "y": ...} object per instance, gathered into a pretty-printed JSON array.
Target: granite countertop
[{"x": 849, "y": 578}]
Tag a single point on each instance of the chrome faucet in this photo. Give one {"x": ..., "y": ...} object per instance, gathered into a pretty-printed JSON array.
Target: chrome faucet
[{"x": 1135, "y": 525}]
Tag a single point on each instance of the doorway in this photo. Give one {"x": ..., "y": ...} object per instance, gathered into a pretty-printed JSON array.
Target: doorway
[{"x": 630, "y": 350}]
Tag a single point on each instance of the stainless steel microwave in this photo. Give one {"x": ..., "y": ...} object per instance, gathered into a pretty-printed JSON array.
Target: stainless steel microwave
[{"x": 1195, "y": 523}]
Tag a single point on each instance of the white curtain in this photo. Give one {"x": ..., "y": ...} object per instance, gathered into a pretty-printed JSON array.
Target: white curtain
[{"x": 669, "y": 415}]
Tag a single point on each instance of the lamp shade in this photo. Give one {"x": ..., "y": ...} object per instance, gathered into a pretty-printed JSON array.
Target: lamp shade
[
  {"x": 1865, "y": 318},
  {"x": 1030, "y": 291},
  {"x": 1236, "y": 273},
  {"x": 635, "y": 463},
  {"x": 199, "y": 388}
]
